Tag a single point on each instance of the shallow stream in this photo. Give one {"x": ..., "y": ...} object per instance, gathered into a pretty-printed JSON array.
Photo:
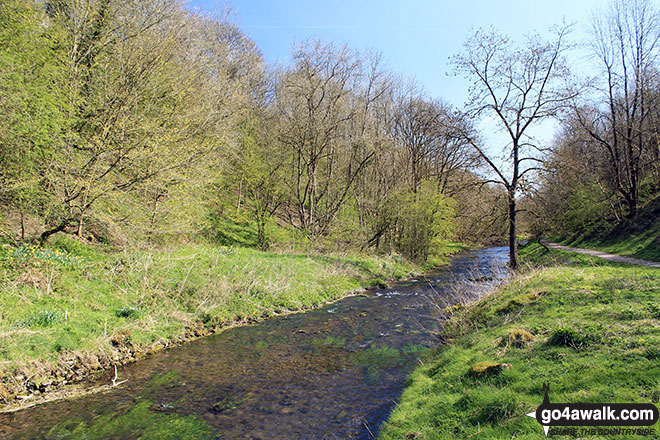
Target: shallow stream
[{"x": 331, "y": 373}]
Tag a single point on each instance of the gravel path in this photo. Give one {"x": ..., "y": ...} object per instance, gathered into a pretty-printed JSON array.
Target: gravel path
[{"x": 611, "y": 257}]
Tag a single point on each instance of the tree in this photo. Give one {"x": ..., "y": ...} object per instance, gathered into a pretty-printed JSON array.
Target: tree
[
  {"x": 153, "y": 92},
  {"x": 259, "y": 172},
  {"x": 31, "y": 106},
  {"x": 320, "y": 101},
  {"x": 626, "y": 43},
  {"x": 519, "y": 88},
  {"x": 424, "y": 217}
]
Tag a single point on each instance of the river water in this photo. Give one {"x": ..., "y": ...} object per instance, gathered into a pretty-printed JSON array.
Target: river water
[{"x": 331, "y": 373}]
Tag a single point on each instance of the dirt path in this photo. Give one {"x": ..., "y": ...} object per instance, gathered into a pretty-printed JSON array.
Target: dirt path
[{"x": 606, "y": 256}]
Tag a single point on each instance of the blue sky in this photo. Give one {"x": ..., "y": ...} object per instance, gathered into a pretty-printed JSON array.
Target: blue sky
[{"x": 416, "y": 37}]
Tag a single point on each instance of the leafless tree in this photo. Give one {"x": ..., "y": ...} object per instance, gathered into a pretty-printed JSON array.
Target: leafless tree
[
  {"x": 619, "y": 118},
  {"x": 320, "y": 101},
  {"x": 519, "y": 88}
]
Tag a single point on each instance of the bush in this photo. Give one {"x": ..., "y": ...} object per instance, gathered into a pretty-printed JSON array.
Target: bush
[
  {"x": 425, "y": 219},
  {"x": 568, "y": 337},
  {"x": 128, "y": 312}
]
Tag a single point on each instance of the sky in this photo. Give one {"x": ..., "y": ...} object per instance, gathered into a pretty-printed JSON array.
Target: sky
[{"x": 415, "y": 37}]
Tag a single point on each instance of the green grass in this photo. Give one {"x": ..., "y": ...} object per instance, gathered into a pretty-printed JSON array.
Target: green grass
[
  {"x": 588, "y": 327},
  {"x": 441, "y": 253},
  {"x": 643, "y": 244},
  {"x": 73, "y": 298},
  {"x": 638, "y": 237}
]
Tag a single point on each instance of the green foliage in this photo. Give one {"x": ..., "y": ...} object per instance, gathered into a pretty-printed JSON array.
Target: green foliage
[
  {"x": 43, "y": 318},
  {"x": 424, "y": 220},
  {"x": 32, "y": 104},
  {"x": 582, "y": 211},
  {"x": 27, "y": 252},
  {"x": 639, "y": 237}
]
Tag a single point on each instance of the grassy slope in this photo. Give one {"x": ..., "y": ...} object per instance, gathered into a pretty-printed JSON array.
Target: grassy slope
[
  {"x": 53, "y": 308},
  {"x": 604, "y": 320},
  {"x": 639, "y": 238},
  {"x": 644, "y": 244}
]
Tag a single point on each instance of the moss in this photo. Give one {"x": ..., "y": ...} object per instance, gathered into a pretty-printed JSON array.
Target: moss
[
  {"x": 140, "y": 422},
  {"x": 487, "y": 368}
]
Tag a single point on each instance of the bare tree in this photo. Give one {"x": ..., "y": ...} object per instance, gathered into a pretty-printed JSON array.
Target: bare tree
[
  {"x": 626, "y": 43},
  {"x": 417, "y": 129},
  {"x": 428, "y": 131},
  {"x": 519, "y": 88},
  {"x": 319, "y": 101}
]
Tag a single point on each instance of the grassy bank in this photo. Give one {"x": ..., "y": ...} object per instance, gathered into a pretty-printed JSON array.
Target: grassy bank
[
  {"x": 71, "y": 309},
  {"x": 643, "y": 244},
  {"x": 588, "y": 327},
  {"x": 638, "y": 238}
]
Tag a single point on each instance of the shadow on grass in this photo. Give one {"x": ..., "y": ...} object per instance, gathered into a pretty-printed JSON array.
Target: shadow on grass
[{"x": 535, "y": 254}]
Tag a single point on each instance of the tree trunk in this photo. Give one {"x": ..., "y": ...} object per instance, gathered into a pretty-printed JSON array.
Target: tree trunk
[
  {"x": 79, "y": 228},
  {"x": 59, "y": 228},
  {"x": 513, "y": 242},
  {"x": 262, "y": 240},
  {"x": 632, "y": 208},
  {"x": 22, "y": 226}
]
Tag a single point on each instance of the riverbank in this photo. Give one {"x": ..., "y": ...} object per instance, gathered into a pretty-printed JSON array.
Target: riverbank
[
  {"x": 72, "y": 309},
  {"x": 588, "y": 327}
]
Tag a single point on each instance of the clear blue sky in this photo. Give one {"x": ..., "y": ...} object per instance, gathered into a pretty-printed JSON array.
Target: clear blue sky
[{"x": 416, "y": 37}]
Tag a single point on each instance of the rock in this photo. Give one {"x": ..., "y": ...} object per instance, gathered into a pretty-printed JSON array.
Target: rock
[{"x": 120, "y": 338}]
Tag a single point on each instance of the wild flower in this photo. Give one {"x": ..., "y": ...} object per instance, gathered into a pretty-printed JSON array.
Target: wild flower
[{"x": 28, "y": 252}]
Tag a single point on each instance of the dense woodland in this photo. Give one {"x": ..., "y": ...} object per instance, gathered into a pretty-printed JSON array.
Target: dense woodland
[{"x": 135, "y": 122}]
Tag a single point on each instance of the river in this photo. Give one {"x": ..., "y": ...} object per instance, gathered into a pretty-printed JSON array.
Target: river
[{"x": 331, "y": 373}]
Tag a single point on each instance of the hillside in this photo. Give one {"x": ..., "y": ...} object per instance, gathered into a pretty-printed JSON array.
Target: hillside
[{"x": 639, "y": 238}]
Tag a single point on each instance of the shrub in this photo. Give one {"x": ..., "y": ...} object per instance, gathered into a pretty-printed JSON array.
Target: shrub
[
  {"x": 128, "y": 312},
  {"x": 568, "y": 337}
]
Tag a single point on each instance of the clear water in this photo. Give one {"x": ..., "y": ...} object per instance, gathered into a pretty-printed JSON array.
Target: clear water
[{"x": 331, "y": 373}]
